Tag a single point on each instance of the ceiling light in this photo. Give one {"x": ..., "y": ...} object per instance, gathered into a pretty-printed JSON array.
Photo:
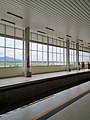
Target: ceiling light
[
  {"x": 41, "y": 32},
  {"x": 8, "y": 21},
  {"x": 80, "y": 40},
  {"x": 69, "y": 36},
  {"x": 82, "y": 44},
  {"x": 60, "y": 38},
  {"x": 14, "y": 15},
  {"x": 49, "y": 28},
  {"x": 73, "y": 41}
]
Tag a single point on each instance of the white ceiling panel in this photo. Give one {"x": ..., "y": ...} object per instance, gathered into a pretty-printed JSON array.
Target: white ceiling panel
[{"x": 64, "y": 16}]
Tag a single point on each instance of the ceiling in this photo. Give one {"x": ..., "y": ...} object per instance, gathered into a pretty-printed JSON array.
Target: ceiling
[{"x": 64, "y": 16}]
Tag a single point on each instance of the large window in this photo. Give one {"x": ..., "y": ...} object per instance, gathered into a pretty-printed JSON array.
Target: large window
[
  {"x": 72, "y": 56},
  {"x": 10, "y": 52},
  {"x": 38, "y": 54},
  {"x": 86, "y": 57},
  {"x": 56, "y": 55},
  {"x": 80, "y": 56},
  {"x": 18, "y": 52}
]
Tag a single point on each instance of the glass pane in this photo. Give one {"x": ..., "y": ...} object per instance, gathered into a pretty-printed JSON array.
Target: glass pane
[
  {"x": 54, "y": 49},
  {"x": 58, "y": 57},
  {"x": 50, "y": 48},
  {"x": 39, "y": 47},
  {"x": 9, "y": 57},
  {"x": 50, "y": 56},
  {"x": 9, "y": 42},
  {"x": 58, "y": 50},
  {"x": 34, "y": 46},
  {"x": 54, "y": 57},
  {"x": 80, "y": 53},
  {"x": 30, "y": 55},
  {"x": 18, "y": 44},
  {"x": 39, "y": 58},
  {"x": 2, "y": 59},
  {"x": 84, "y": 54},
  {"x": 61, "y": 58},
  {"x": 44, "y": 47},
  {"x": 75, "y": 52},
  {"x": 1, "y": 41},
  {"x": 73, "y": 59},
  {"x": 18, "y": 57},
  {"x": 80, "y": 58},
  {"x": 70, "y": 52},
  {"x": 34, "y": 58},
  {"x": 44, "y": 56},
  {"x": 70, "y": 58},
  {"x": 65, "y": 58},
  {"x": 50, "y": 59},
  {"x": 61, "y": 50},
  {"x": 30, "y": 45},
  {"x": 65, "y": 51},
  {"x": 84, "y": 58}
]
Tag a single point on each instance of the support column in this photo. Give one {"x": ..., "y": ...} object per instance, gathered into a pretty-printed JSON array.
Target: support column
[
  {"x": 77, "y": 54},
  {"x": 48, "y": 50},
  {"x": 67, "y": 54},
  {"x": 27, "y": 64}
]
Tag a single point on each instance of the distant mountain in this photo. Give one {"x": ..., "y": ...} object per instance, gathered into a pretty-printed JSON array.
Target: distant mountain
[
  {"x": 8, "y": 59},
  {"x": 1, "y": 59}
]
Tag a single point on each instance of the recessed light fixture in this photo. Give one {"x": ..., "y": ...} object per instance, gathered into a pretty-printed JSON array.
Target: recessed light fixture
[
  {"x": 41, "y": 32},
  {"x": 69, "y": 36},
  {"x": 60, "y": 38},
  {"x": 73, "y": 41},
  {"x": 49, "y": 28},
  {"x": 8, "y": 21},
  {"x": 80, "y": 40},
  {"x": 14, "y": 15},
  {"x": 82, "y": 44}
]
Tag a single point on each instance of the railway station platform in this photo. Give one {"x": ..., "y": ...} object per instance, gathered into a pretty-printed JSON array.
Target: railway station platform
[
  {"x": 70, "y": 104},
  {"x": 19, "y": 91}
]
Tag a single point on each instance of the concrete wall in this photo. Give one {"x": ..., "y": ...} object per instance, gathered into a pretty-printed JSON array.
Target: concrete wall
[
  {"x": 13, "y": 71},
  {"x": 45, "y": 69},
  {"x": 18, "y": 71},
  {"x": 10, "y": 72}
]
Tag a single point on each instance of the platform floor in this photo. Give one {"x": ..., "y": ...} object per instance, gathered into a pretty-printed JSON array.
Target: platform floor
[
  {"x": 18, "y": 80},
  {"x": 80, "y": 110},
  {"x": 73, "y": 104}
]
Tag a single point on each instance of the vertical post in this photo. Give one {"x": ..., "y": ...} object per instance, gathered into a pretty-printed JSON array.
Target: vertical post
[
  {"x": 67, "y": 54},
  {"x": 27, "y": 65},
  {"x": 47, "y": 47},
  {"x": 63, "y": 53},
  {"x": 48, "y": 50},
  {"x": 77, "y": 54},
  {"x": 23, "y": 48}
]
